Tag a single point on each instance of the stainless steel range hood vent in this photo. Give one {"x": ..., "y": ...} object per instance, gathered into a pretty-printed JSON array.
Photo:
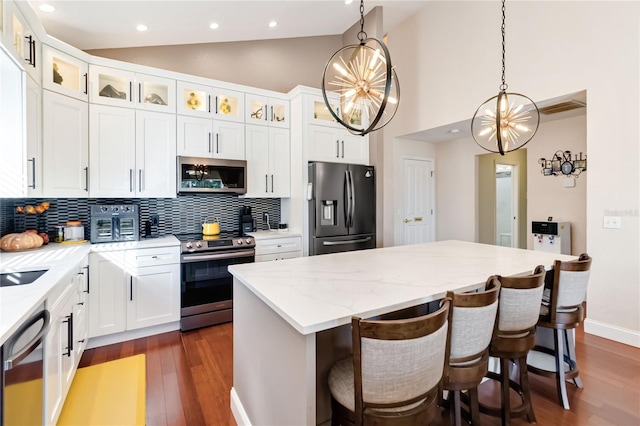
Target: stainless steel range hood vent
[{"x": 562, "y": 107}]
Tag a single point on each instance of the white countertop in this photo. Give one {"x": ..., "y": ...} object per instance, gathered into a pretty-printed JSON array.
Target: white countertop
[
  {"x": 276, "y": 233},
  {"x": 17, "y": 303},
  {"x": 321, "y": 292}
]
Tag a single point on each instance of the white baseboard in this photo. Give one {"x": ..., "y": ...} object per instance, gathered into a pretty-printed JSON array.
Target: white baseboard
[
  {"x": 611, "y": 332},
  {"x": 239, "y": 415},
  {"x": 110, "y": 339}
]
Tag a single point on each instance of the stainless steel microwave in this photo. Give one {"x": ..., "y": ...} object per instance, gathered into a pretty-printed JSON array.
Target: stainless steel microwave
[{"x": 197, "y": 174}]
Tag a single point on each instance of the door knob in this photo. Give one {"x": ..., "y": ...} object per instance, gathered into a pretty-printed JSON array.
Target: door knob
[{"x": 407, "y": 220}]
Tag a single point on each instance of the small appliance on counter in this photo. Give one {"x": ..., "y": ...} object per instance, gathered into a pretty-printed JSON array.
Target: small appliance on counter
[
  {"x": 551, "y": 237},
  {"x": 247, "y": 224},
  {"x": 114, "y": 222}
]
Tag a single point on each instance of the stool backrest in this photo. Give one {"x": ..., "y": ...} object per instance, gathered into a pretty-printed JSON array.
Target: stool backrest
[
  {"x": 398, "y": 362},
  {"x": 569, "y": 290},
  {"x": 520, "y": 299}
]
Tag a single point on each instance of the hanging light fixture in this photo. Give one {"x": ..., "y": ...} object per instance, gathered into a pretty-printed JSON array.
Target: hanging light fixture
[
  {"x": 507, "y": 121},
  {"x": 366, "y": 83}
]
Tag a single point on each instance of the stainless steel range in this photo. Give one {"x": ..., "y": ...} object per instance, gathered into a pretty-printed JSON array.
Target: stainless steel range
[{"x": 206, "y": 284}]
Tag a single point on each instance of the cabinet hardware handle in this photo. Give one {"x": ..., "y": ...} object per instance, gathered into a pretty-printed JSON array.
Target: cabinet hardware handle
[
  {"x": 131, "y": 288},
  {"x": 131, "y": 91},
  {"x": 209, "y": 103},
  {"x": 28, "y": 60},
  {"x": 265, "y": 113},
  {"x": 342, "y": 149},
  {"x": 154, "y": 257},
  {"x": 87, "y": 268},
  {"x": 266, "y": 183},
  {"x": 271, "y": 112},
  {"x": 209, "y": 141},
  {"x": 217, "y": 144},
  {"x": 81, "y": 303},
  {"x": 34, "y": 53},
  {"x": 216, "y": 104},
  {"x": 337, "y": 149},
  {"x": 86, "y": 178},
  {"x": 139, "y": 93},
  {"x": 81, "y": 341},
  {"x": 69, "y": 322},
  {"x": 139, "y": 180},
  {"x": 130, "y": 180},
  {"x": 33, "y": 173},
  {"x": 86, "y": 83},
  {"x": 271, "y": 183}
]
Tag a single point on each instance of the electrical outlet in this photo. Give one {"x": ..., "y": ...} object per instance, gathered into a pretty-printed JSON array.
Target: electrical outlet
[{"x": 154, "y": 219}]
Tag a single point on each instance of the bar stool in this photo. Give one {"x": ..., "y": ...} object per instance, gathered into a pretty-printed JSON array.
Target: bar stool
[
  {"x": 394, "y": 374},
  {"x": 513, "y": 337},
  {"x": 471, "y": 322},
  {"x": 562, "y": 310}
]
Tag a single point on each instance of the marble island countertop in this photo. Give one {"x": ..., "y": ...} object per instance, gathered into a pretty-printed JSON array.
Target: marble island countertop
[
  {"x": 18, "y": 302},
  {"x": 321, "y": 292}
]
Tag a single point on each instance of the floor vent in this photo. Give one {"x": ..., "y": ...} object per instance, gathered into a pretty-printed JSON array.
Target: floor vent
[{"x": 562, "y": 107}]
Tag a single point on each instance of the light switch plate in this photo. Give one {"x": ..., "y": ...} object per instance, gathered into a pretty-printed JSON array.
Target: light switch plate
[{"x": 612, "y": 222}]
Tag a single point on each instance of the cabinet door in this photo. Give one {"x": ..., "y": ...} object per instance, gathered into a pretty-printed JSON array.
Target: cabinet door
[
  {"x": 112, "y": 151},
  {"x": 155, "y": 154},
  {"x": 355, "y": 148},
  {"x": 155, "y": 93},
  {"x": 111, "y": 86},
  {"x": 33, "y": 99},
  {"x": 279, "y": 113},
  {"x": 12, "y": 141},
  {"x": 81, "y": 309},
  {"x": 194, "y": 99},
  {"x": 257, "y": 144},
  {"x": 228, "y": 140},
  {"x": 320, "y": 113},
  {"x": 65, "y": 146},
  {"x": 228, "y": 105},
  {"x": 65, "y": 74},
  {"x": 324, "y": 144},
  {"x": 194, "y": 136},
  {"x": 154, "y": 296},
  {"x": 256, "y": 109},
  {"x": 20, "y": 40},
  {"x": 279, "y": 162},
  {"x": 107, "y": 297}
]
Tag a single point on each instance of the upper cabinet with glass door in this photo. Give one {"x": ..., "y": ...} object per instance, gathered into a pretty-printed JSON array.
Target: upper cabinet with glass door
[
  {"x": 320, "y": 113},
  {"x": 20, "y": 39},
  {"x": 266, "y": 111},
  {"x": 210, "y": 102},
  {"x": 65, "y": 74},
  {"x": 115, "y": 87}
]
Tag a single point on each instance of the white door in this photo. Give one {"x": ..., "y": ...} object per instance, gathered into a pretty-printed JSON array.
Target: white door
[
  {"x": 279, "y": 163},
  {"x": 228, "y": 140},
  {"x": 155, "y": 154},
  {"x": 418, "y": 220},
  {"x": 257, "y": 161},
  {"x": 154, "y": 296},
  {"x": 194, "y": 136},
  {"x": 506, "y": 205}
]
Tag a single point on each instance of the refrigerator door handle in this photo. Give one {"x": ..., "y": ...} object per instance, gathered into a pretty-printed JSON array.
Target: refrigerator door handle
[
  {"x": 353, "y": 199},
  {"x": 349, "y": 194},
  {"x": 340, "y": 243}
]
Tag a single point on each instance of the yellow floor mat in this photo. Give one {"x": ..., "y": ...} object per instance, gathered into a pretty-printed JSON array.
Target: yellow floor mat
[{"x": 112, "y": 393}]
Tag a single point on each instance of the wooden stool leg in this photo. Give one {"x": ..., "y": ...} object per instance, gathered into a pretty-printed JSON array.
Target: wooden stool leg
[
  {"x": 456, "y": 409},
  {"x": 524, "y": 385},
  {"x": 474, "y": 406},
  {"x": 571, "y": 350},
  {"x": 561, "y": 383},
  {"x": 504, "y": 387}
]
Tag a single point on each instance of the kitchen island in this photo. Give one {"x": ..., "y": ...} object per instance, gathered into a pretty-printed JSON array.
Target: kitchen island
[{"x": 292, "y": 318}]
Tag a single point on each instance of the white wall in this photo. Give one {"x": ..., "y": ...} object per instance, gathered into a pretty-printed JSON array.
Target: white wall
[{"x": 448, "y": 62}]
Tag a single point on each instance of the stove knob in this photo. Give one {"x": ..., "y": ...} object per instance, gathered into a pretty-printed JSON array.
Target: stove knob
[
  {"x": 104, "y": 209},
  {"x": 240, "y": 242},
  {"x": 198, "y": 244},
  {"x": 189, "y": 245},
  {"x": 248, "y": 240}
]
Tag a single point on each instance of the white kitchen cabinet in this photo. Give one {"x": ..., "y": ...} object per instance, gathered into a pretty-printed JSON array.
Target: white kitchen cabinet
[
  {"x": 268, "y": 162},
  {"x": 134, "y": 289},
  {"x": 337, "y": 145},
  {"x": 278, "y": 248},
  {"x": 132, "y": 153},
  {"x": 66, "y": 339},
  {"x": 319, "y": 113},
  {"x": 65, "y": 74},
  {"x": 210, "y": 102},
  {"x": 203, "y": 137},
  {"x": 65, "y": 142},
  {"x": 33, "y": 100},
  {"x": 12, "y": 142},
  {"x": 116, "y": 87},
  {"x": 266, "y": 111},
  {"x": 20, "y": 39}
]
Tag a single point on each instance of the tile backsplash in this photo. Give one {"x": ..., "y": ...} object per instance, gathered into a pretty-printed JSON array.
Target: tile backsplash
[{"x": 183, "y": 214}]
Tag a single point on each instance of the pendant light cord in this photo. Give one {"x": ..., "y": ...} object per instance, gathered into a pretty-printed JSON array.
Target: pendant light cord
[
  {"x": 503, "y": 86},
  {"x": 362, "y": 36}
]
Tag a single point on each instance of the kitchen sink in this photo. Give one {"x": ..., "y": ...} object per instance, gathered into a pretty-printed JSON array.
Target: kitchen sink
[{"x": 8, "y": 279}]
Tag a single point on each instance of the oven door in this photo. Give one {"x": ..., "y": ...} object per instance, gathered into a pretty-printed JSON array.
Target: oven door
[
  {"x": 103, "y": 229},
  {"x": 207, "y": 286}
]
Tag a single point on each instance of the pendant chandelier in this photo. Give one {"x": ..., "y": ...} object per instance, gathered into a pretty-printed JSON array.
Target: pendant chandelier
[
  {"x": 507, "y": 121},
  {"x": 366, "y": 83}
]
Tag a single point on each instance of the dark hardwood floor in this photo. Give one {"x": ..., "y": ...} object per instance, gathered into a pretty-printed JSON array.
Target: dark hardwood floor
[{"x": 189, "y": 376}]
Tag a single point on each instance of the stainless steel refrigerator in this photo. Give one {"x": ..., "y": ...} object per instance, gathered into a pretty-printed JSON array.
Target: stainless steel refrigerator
[{"x": 342, "y": 208}]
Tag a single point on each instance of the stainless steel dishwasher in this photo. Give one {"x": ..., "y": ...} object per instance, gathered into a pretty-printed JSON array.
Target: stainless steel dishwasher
[{"x": 21, "y": 381}]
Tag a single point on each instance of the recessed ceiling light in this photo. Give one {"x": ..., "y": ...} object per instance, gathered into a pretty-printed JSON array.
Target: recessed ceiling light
[
  {"x": 142, "y": 27},
  {"x": 273, "y": 24},
  {"x": 47, "y": 7},
  {"x": 214, "y": 26}
]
